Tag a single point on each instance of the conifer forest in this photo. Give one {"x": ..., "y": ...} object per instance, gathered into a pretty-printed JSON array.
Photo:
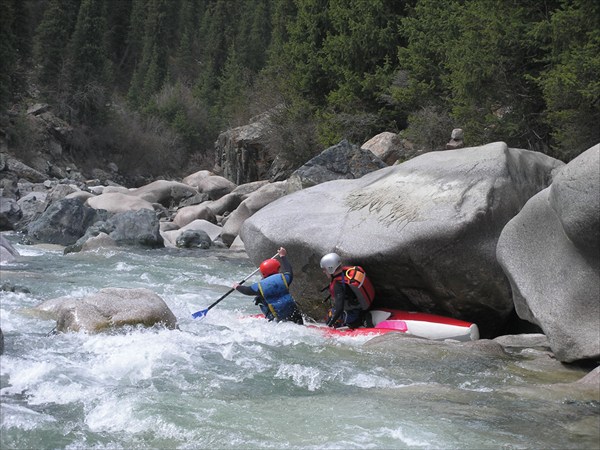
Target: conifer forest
[{"x": 167, "y": 76}]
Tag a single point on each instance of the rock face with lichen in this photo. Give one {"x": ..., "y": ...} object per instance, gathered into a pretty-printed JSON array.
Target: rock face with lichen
[{"x": 425, "y": 231}]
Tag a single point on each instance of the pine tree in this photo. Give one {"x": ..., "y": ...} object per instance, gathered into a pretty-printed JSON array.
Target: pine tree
[
  {"x": 50, "y": 44},
  {"x": 89, "y": 69},
  {"x": 569, "y": 81},
  {"x": 117, "y": 17},
  {"x": 254, "y": 33},
  {"x": 159, "y": 31},
  {"x": 233, "y": 85},
  {"x": 8, "y": 51},
  {"x": 184, "y": 62}
]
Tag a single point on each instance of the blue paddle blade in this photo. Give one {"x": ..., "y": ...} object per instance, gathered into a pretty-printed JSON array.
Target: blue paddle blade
[{"x": 200, "y": 314}]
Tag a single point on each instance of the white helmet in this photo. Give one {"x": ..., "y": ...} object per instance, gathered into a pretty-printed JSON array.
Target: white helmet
[{"x": 330, "y": 262}]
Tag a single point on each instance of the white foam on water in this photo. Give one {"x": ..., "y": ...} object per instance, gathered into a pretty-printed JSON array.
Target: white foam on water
[
  {"x": 306, "y": 377},
  {"x": 133, "y": 356},
  {"x": 32, "y": 250},
  {"x": 60, "y": 393},
  {"x": 124, "y": 267},
  {"x": 8, "y": 323},
  {"x": 24, "y": 373},
  {"x": 217, "y": 281},
  {"x": 15, "y": 416},
  {"x": 127, "y": 414},
  {"x": 369, "y": 381},
  {"x": 411, "y": 438}
]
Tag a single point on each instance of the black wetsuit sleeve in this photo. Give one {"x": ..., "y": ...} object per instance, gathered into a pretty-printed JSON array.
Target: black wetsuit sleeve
[
  {"x": 286, "y": 267},
  {"x": 339, "y": 293},
  {"x": 246, "y": 290}
]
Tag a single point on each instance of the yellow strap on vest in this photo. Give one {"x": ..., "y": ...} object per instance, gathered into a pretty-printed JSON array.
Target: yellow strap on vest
[{"x": 268, "y": 304}]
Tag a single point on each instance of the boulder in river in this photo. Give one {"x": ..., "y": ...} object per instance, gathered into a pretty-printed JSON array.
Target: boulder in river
[
  {"x": 108, "y": 308},
  {"x": 425, "y": 231},
  {"x": 551, "y": 254}
]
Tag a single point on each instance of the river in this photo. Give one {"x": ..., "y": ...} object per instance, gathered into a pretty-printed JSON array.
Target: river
[{"x": 233, "y": 381}]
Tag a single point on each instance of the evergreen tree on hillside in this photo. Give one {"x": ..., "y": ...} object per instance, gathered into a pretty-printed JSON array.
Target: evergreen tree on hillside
[
  {"x": 14, "y": 48},
  {"x": 363, "y": 38},
  {"x": 473, "y": 61},
  {"x": 89, "y": 69},
  {"x": 232, "y": 100},
  {"x": 302, "y": 50},
  {"x": 50, "y": 44},
  {"x": 571, "y": 80},
  {"x": 254, "y": 34},
  {"x": 184, "y": 60},
  {"x": 158, "y": 41},
  {"x": 490, "y": 63},
  {"x": 132, "y": 54},
  {"x": 117, "y": 17}
]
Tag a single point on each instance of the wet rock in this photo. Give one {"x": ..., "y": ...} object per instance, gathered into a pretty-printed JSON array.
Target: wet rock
[
  {"x": 7, "y": 252},
  {"x": 213, "y": 231},
  {"x": 10, "y": 214},
  {"x": 108, "y": 308},
  {"x": 193, "y": 239},
  {"x": 63, "y": 223},
  {"x": 255, "y": 201}
]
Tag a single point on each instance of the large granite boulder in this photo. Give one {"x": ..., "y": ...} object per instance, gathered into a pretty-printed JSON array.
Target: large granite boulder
[
  {"x": 425, "y": 230},
  {"x": 32, "y": 206},
  {"x": 7, "y": 252},
  {"x": 216, "y": 186},
  {"x": 243, "y": 153},
  {"x": 551, "y": 254},
  {"x": 10, "y": 214},
  {"x": 225, "y": 204},
  {"x": 167, "y": 193},
  {"x": 118, "y": 202},
  {"x": 341, "y": 161},
  {"x": 188, "y": 214},
  {"x": 20, "y": 170},
  {"x": 171, "y": 237},
  {"x": 63, "y": 223},
  {"x": 386, "y": 146},
  {"x": 255, "y": 201},
  {"x": 194, "y": 179},
  {"x": 193, "y": 239},
  {"x": 139, "y": 228},
  {"x": 108, "y": 308}
]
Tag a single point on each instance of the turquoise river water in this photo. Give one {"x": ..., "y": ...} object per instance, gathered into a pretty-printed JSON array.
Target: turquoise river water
[{"x": 230, "y": 381}]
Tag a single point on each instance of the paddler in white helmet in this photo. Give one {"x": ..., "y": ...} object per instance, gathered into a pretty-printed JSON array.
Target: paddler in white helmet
[{"x": 351, "y": 291}]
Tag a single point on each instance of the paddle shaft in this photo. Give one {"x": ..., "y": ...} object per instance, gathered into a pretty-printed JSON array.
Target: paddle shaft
[
  {"x": 229, "y": 291},
  {"x": 203, "y": 312}
]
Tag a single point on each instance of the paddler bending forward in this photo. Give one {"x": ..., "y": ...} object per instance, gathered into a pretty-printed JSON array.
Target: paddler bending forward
[{"x": 272, "y": 293}]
